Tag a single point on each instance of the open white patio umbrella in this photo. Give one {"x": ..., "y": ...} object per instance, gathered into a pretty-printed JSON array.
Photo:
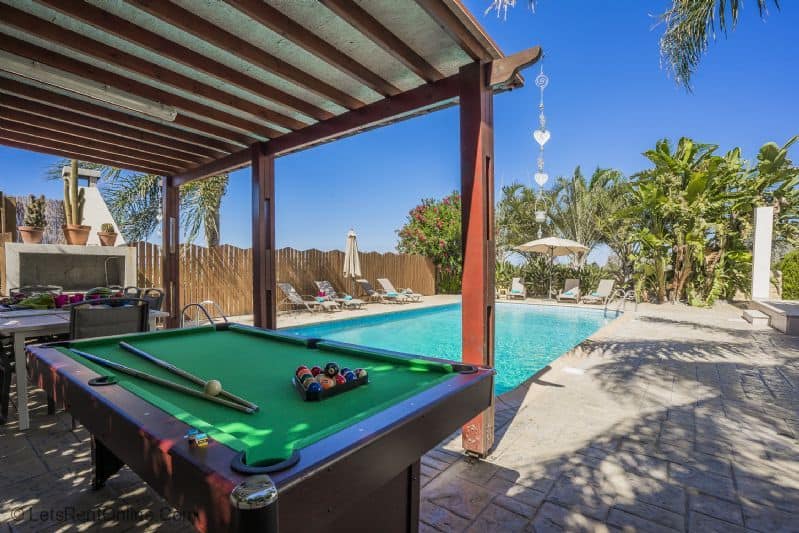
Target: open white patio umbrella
[
  {"x": 554, "y": 247},
  {"x": 352, "y": 263}
]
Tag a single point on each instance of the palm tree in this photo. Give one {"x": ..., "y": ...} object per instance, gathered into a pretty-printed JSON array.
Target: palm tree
[
  {"x": 135, "y": 202},
  {"x": 690, "y": 25},
  {"x": 583, "y": 206}
]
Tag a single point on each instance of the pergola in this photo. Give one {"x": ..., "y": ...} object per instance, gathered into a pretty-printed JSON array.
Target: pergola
[{"x": 187, "y": 89}]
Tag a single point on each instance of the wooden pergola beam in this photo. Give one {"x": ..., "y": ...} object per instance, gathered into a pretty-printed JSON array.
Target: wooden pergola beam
[
  {"x": 425, "y": 98},
  {"x": 282, "y": 25},
  {"x": 59, "y": 131},
  {"x": 11, "y": 130},
  {"x": 361, "y": 20},
  {"x": 225, "y": 164},
  {"x": 449, "y": 22},
  {"x": 85, "y": 70},
  {"x": 504, "y": 73},
  {"x": 170, "y": 251},
  {"x": 264, "y": 268},
  {"x": 52, "y": 32},
  {"x": 42, "y": 147},
  {"x": 477, "y": 234},
  {"x": 65, "y": 108},
  {"x": 432, "y": 95},
  {"x": 201, "y": 28},
  {"x": 140, "y": 36}
]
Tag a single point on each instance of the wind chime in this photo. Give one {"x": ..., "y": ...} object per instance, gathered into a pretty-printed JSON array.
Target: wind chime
[{"x": 541, "y": 136}]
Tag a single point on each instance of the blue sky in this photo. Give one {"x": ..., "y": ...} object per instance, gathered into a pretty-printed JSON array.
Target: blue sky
[{"x": 608, "y": 101}]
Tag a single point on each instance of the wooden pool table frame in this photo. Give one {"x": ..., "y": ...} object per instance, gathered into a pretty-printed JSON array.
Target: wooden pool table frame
[{"x": 363, "y": 477}]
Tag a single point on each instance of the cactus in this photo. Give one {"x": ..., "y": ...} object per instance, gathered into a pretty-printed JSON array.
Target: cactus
[
  {"x": 34, "y": 212},
  {"x": 107, "y": 228},
  {"x": 74, "y": 198}
]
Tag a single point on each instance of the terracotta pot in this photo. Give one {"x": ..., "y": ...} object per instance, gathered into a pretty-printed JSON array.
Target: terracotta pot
[
  {"x": 107, "y": 239},
  {"x": 76, "y": 233},
  {"x": 31, "y": 235}
]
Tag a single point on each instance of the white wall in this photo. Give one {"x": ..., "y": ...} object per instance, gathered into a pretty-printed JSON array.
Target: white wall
[
  {"x": 96, "y": 213},
  {"x": 761, "y": 252}
]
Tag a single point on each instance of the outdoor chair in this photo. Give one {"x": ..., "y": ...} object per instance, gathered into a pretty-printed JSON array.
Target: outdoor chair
[
  {"x": 109, "y": 316},
  {"x": 378, "y": 296},
  {"x": 103, "y": 318},
  {"x": 154, "y": 297},
  {"x": 407, "y": 293},
  {"x": 571, "y": 290},
  {"x": 131, "y": 292},
  {"x": 294, "y": 300},
  {"x": 602, "y": 293},
  {"x": 346, "y": 301},
  {"x": 517, "y": 289}
]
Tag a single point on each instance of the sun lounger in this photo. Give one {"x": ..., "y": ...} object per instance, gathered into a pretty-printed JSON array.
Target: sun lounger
[
  {"x": 378, "y": 296},
  {"x": 407, "y": 293},
  {"x": 571, "y": 290},
  {"x": 517, "y": 289},
  {"x": 602, "y": 293},
  {"x": 346, "y": 301},
  {"x": 294, "y": 300}
]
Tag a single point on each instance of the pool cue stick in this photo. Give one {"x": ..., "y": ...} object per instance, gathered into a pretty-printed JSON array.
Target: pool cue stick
[
  {"x": 159, "y": 381},
  {"x": 184, "y": 374}
]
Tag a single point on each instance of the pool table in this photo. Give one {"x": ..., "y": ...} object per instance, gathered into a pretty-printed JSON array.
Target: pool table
[{"x": 347, "y": 463}]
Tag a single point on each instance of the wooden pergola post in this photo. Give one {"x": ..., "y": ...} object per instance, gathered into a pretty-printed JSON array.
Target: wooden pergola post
[
  {"x": 264, "y": 275},
  {"x": 170, "y": 251},
  {"x": 477, "y": 189}
]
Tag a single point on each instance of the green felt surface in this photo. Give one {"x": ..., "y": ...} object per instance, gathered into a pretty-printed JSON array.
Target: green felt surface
[{"x": 259, "y": 368}]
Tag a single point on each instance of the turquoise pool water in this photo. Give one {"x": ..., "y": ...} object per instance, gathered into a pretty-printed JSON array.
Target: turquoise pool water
[{"x": 528, "y": 337}]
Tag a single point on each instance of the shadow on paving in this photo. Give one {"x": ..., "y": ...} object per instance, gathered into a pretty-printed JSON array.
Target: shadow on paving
[
  {"x": 713, "y": 448},
  {"x": 45, "y": 483}
]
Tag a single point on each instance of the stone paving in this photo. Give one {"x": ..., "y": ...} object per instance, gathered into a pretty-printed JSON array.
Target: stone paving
[{"x": 674, "y": 419}]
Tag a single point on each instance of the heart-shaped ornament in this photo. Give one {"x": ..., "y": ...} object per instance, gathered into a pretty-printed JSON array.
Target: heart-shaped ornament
[
  {"x": 541, "y": 178},
  {"x": 541, "y": 136}
]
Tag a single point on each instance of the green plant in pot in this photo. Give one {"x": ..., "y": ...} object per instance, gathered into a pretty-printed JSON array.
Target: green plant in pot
[
  {"x": 74, "y": 202},
  {"x": 34, "y": 222},
  {"x": 107, "y": 234}
]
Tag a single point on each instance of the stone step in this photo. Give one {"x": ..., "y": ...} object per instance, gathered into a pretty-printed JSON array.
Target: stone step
[{"x": 756, "y": 318}]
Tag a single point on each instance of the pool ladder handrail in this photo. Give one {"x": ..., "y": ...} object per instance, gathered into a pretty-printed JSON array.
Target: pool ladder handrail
[{"x": 201, "y": 307}]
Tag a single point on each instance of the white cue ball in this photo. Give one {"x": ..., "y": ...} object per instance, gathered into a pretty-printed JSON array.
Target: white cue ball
[{"x": 213, "y": 387}]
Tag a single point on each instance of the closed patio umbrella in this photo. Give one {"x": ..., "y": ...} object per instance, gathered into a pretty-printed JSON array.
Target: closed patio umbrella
[
  {"x": 554, "y": 247},
  {"x": 352, "y": 263}
]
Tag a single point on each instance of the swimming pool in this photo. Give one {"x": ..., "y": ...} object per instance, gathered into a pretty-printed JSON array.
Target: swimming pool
[{"x": 528, "y": 337}]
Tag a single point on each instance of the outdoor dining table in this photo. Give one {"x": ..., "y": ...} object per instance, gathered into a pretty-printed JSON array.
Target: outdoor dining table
[{"x": 28, "y": 323}]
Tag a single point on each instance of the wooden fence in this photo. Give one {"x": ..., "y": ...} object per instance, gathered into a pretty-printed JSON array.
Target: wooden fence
[{"x": 224, "y": 273}]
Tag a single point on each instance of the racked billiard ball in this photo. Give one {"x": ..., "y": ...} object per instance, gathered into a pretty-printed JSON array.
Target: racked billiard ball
[
  {"x": 299, "y": 370},
  {"x": 340, "y": 379},
  {"x": 344, "y": 371},
  {"x": 306, "y": 378},
  {"x": 360, "y": 372},
  {"x": 350, "y": 375},
  {"x": 314, "y": 387},
  {"x": 316, "y": 370},
  {"x": 331, "y": 369},
  {"x": 327, "y": 382}
]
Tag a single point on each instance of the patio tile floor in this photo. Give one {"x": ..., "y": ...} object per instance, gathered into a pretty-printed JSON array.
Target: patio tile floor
[{"x": 674, "y": 419}]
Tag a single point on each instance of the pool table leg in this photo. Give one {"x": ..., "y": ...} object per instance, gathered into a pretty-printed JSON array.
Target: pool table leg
[{"x": 105, "y": 464}]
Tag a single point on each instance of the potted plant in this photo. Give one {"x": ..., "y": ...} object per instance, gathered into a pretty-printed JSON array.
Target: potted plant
[
  {"x": 74, "y": 202},
  {"x": 35, "y": 221},
  {"x": 108, "y": 237}
]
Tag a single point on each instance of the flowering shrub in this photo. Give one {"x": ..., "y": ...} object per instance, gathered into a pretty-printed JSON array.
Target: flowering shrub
[{"x": 433, "y": 229}]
